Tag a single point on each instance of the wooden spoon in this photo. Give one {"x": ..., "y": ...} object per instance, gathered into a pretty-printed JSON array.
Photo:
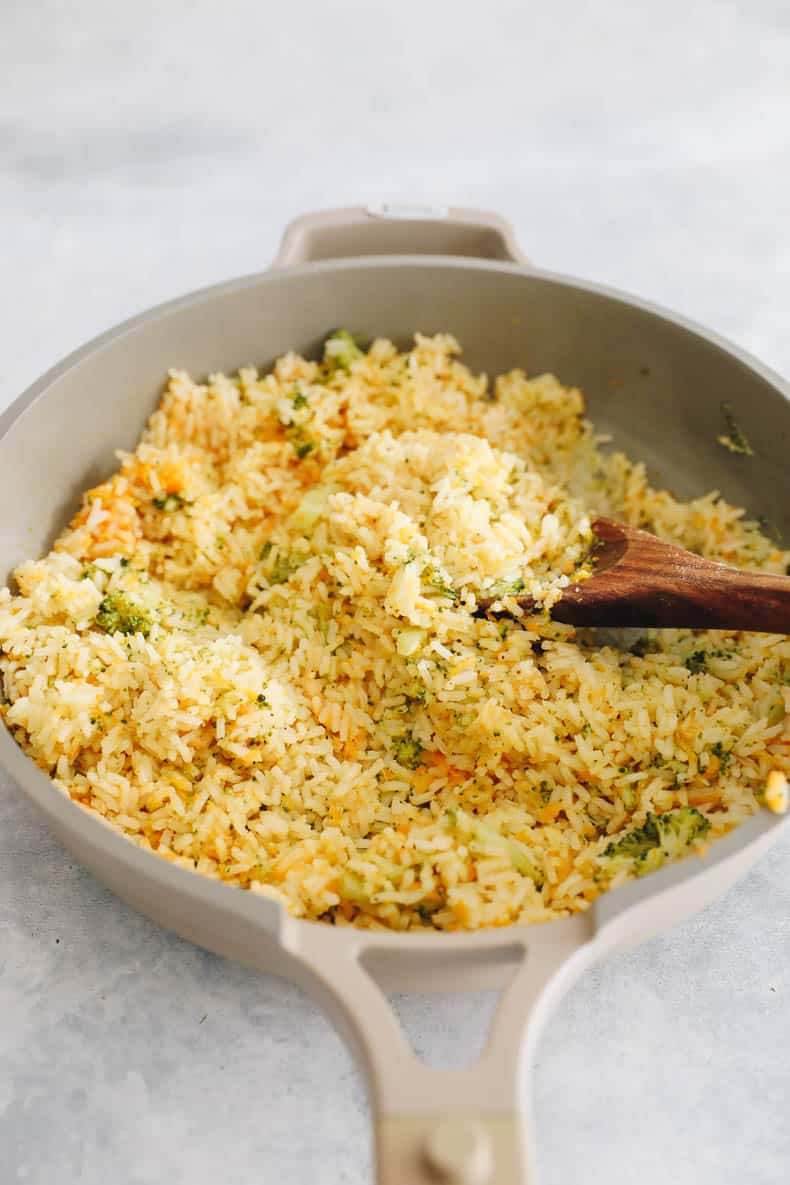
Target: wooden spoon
[{"x": 639, "y": 580}]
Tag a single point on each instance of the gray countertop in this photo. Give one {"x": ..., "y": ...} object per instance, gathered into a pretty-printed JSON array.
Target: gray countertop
[{"x": 154, "y": 148}]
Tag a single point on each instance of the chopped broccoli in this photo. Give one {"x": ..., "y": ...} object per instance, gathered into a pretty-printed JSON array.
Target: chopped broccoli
[
  {"x": 340, "y": 350},
  {"x": 724, "y": 756},
  {"x": 435, "y": 580},
  {"x": 302, "y": 444},
  {"x": 505, "y": 588},
  {"x": 696, "y": 662},
  {"x": 322, "y": 615},
  {"x": 484, "y": 836},
  {"x": 298, "y": 399},
  {"x": 641, "y": 647},
  {"x": 353, "y": 888},
  {"x": 119, "y": 614},
  {"x": 407, "y": 750},
  {"x": 282, "y": 568},
  {"x": 168, "y": 502},
  {"x": 89, "y": 572},
  {"x": 521, "y": 860},
  {"x": 628, "y": 797},
  {"x": 426, "y": 913},
  {"x": 662, "y": 840},
  {"x": 357, "y": 887},
  {"x": 313, "y": 506},
  {"x": 636, "y": 844},
  {"x": 735, "y": 438},
  {"x": 681, "y": 830}
]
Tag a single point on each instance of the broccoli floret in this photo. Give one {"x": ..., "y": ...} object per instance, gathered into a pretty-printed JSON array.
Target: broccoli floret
[
  {"x": 662, "y": 840},
  {"x": 168, "y": 502},
  {"x": 407, "y": 750},
  {"x": 636, "y": 844},
  {"x": 119, "y": 614},
  {"x": 681, "y": 830},
  {"x": 340, "y": 350}
]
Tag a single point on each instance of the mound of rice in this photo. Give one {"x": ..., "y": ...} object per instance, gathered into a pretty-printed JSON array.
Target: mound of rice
[{"x": 255, "y": 650}]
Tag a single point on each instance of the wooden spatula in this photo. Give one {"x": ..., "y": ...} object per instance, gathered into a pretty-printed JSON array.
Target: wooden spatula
[{"x": 639, "y": 580}]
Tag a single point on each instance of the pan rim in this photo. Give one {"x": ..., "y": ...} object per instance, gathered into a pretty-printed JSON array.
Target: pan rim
[{"x": 273, "y": 276}]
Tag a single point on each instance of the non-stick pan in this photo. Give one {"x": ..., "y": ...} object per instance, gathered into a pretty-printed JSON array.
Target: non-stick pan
[{"x": 662, "y": 386}]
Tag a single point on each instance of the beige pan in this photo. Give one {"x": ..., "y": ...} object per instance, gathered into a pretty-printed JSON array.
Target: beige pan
[{"x": 467, "y": 1126}]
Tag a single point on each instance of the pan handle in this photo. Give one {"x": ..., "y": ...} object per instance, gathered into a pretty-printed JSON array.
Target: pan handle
[
  {"x": 398, "y": 230},
  {"x": 462, "y": 1126}
]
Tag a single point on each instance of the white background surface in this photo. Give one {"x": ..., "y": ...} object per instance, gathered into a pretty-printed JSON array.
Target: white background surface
[{"x": 151, "y": 148}]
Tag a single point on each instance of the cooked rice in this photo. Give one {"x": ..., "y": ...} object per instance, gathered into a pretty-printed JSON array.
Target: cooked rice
[{"x": 304, "y": 703}]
